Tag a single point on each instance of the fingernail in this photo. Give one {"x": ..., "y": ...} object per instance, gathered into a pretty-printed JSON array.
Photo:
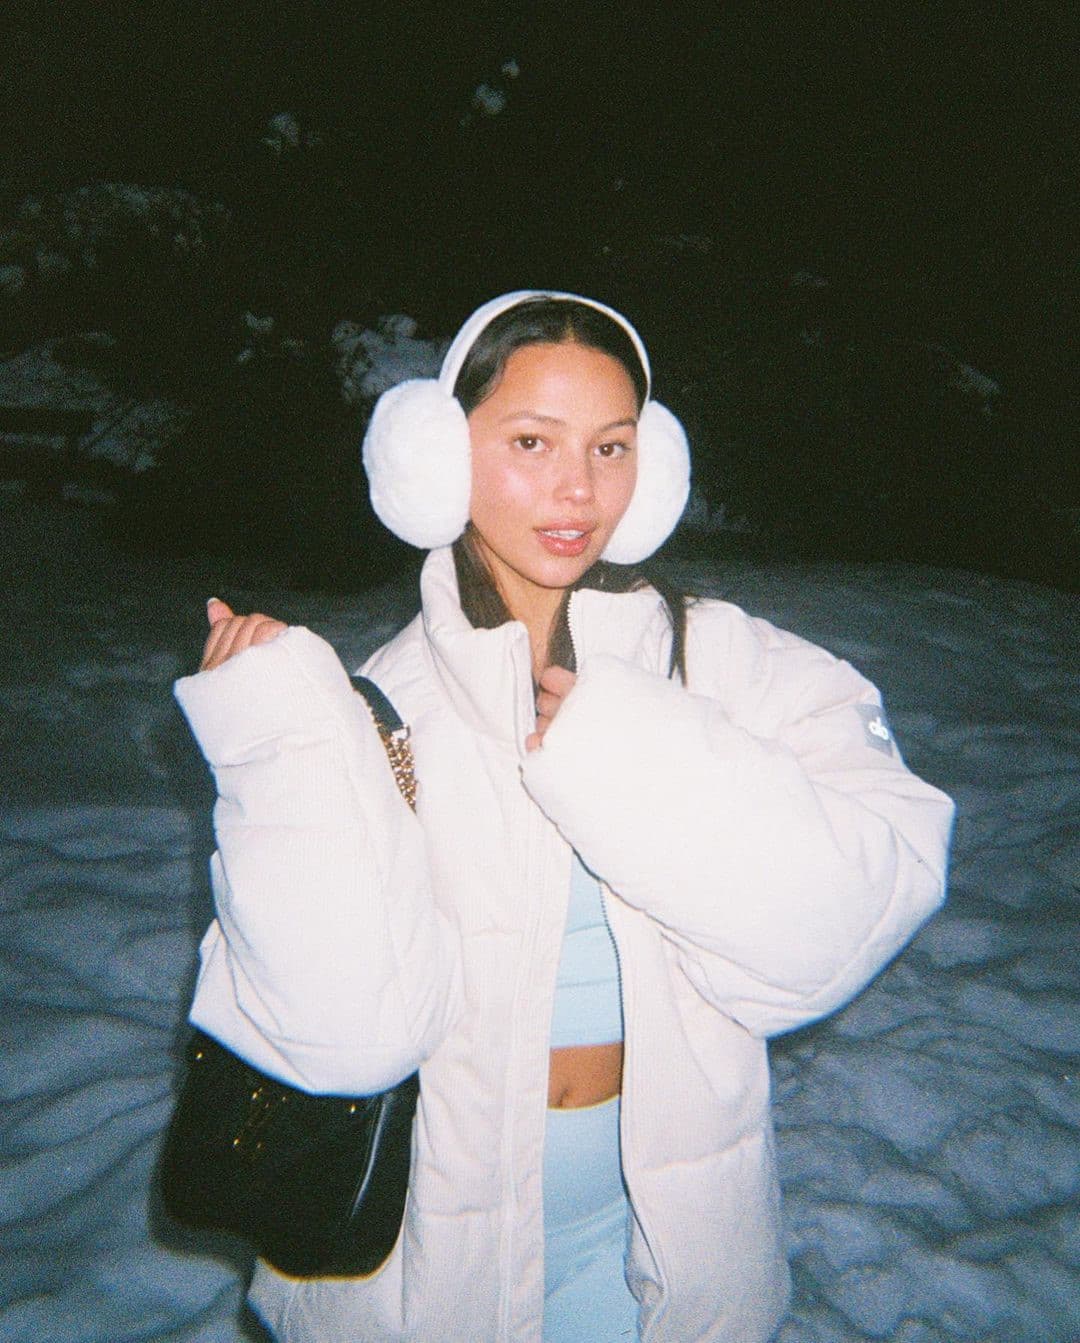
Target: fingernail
[{"x": 211, "y": 599}]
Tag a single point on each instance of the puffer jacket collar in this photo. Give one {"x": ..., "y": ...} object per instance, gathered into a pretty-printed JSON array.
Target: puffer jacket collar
[{"x": 487, "y": 674}]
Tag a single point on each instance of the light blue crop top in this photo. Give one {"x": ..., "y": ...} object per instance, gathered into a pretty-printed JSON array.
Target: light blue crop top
[{"x": 588, "y": 1003}]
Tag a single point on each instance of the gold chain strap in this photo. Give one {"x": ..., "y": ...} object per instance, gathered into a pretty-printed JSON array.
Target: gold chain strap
[{"x": 399, "y": 753}]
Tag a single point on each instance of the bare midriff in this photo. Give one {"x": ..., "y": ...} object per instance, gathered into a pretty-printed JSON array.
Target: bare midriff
[{"x": 582, "y": 1075}]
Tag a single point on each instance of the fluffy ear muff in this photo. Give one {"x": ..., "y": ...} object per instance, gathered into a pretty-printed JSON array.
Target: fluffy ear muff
[
  {"x": 661, "y": 491},
  {"x": 416, "y": 455}
]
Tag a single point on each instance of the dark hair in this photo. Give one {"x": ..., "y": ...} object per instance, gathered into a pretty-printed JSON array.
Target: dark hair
[
  {"x": 553, "y": 321},
  {"x": 542, "y": 321}
]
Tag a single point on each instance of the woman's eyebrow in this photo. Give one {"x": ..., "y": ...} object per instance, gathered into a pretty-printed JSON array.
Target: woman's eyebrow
[
  {"x": 530, "y": 415},
  {"x": 628, "y": 423}
]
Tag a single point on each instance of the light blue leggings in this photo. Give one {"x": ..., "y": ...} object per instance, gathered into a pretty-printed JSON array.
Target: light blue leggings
[{"x": 586, "y": 1299}]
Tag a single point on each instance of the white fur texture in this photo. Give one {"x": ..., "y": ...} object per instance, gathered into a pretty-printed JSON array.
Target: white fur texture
[
  {"x": 416, "y": 455},
  {"x": 663, "y": 486}
]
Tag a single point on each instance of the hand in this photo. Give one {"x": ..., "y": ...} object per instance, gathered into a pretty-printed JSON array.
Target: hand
[
  {"x": 555, "y": 684},
  {"x": 231, "y": 634}
]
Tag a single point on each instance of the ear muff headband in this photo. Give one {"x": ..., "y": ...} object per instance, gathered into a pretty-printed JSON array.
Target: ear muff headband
[
  {"x": 466, "y": 338},
  {"x": 417, "y": 457}
]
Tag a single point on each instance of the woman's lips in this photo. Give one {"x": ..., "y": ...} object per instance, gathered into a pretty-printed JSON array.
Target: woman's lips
[{"x": 565, "y": 541}]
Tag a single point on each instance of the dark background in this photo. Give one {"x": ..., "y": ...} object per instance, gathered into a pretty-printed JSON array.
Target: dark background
[{"x": 819, "y": 216}]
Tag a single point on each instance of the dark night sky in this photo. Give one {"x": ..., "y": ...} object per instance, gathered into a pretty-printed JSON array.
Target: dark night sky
[
  {"x": 924, "y": 158},
  {"x": 888, "y": 141}
]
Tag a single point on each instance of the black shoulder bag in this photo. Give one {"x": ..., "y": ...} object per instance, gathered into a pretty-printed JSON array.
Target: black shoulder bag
[{"x": 316, "y": 1184}]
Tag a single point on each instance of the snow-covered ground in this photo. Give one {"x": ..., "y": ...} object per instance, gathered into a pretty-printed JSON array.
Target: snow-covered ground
[
  {"x": 928, "y": 1133},
  {"x": 59, "y": 374}
]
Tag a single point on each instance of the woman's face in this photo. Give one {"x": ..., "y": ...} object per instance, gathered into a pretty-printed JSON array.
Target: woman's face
[{"x": 553, "y": 469}]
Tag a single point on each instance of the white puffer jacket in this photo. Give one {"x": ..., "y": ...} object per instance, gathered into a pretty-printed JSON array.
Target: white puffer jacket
[{"x": 764, "y": 851}]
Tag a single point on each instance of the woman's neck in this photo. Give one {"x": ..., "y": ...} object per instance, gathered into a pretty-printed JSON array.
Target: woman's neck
[
  {"x": 539, "y": 615},
  {"x": 537, "y": 608},
  {"x": 540, "y": 644}
]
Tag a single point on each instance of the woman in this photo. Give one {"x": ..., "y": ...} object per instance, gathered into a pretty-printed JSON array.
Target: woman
[{"x": 649, "y": 835}]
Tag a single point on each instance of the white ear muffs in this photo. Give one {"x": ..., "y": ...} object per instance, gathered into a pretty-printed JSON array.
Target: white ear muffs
[
  {"x": 662, "y": 489},
  {"x": 417, "y": 457}
]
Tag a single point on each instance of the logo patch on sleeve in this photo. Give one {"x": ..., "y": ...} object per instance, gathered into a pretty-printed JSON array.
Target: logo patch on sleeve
[{"x": 876, "y": 727}]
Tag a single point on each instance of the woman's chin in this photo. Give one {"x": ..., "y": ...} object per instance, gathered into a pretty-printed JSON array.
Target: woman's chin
[{"x": 563, "y": 572}]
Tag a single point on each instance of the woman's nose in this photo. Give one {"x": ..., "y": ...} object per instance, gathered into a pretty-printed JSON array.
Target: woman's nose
[{"x": 575, "y": 477}]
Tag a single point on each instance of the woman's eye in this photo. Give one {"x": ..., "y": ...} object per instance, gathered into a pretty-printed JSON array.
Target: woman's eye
[
  {"x": 617, "y": 449},
  {"x": 528, "y": 441}
]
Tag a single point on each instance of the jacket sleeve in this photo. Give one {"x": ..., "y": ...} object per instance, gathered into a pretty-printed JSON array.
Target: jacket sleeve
[
  {"x": 770, "y": 827},
  {"x": 328, "y": 964}
]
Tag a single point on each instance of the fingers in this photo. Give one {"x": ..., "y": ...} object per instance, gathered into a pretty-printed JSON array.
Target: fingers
[
  {"x": 231, "y": 634},
  {"x": 547, "y": 704},
  {"x": 557, "y": 680},
  {"x": 217, "y": 610},
  {"x": 218, "y": 614},
  {"x": 266, "y": 629},
  {"x": 543, "y": 722},
  {"x": 555, "y": 684},
  {"x": 234, "y": 634}
]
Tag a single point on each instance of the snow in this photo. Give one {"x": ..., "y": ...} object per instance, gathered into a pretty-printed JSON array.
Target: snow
[
  {"x": 369, "y": 362},
  {"x": 927, "y": 1133},
  {"x": 127, "y": 434},
  {"x": 490, "y": 97}
]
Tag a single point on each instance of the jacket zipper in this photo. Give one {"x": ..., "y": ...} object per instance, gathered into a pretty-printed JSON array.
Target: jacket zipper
[
  {"x": 573, "y": 637},
  {"x": 626, "y": 1111},
  {"x": 533, "y": 856}
]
